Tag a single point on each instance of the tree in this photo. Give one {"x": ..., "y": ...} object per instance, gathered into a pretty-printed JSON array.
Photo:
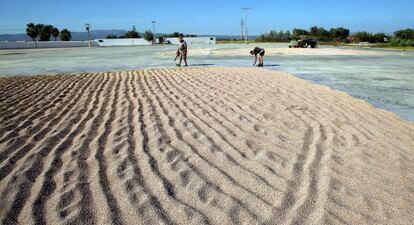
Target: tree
[
  {"x": 323, "y": 34},
  {"x": 380, "y": 38},
  {"x": 274, "y": 36},
  {"x": 55, "y": 32},
  {"x": 288, "y": 36},
  {"x": 405, "y": 34},
  {"x": 313, "y": 31},
  {"x": 176, "y": 34},
  {"x": 32, "y": 31},
  {"x": 361, "y": 36},
  {"x": 65, "y": 35},
  {"x": 45, "y": 31},
  {"x": 39, "y": 26},
  {"x": 148, "y": 35},
  {"x": 370, "y": 37},
  {"x": 409, "y": 43},
  {"x": 132, "y": 33},
  {"x": 340, "y": 33},
  {"x": 299, "y": 32}
]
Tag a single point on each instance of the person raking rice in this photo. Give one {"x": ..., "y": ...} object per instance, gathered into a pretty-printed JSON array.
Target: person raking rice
[
  {"x": 258, "y": 51},
  {"x": 182, "y": 51}
]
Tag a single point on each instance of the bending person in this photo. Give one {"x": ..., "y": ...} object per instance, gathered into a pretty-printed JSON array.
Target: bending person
[{"x": 258, "y": 51}]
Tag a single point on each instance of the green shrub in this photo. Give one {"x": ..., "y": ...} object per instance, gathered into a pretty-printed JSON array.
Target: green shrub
[
  {"x": 148, "y": 35},
  {"x": 395, "y": 42},
  {"x": 409, "y": 43}
]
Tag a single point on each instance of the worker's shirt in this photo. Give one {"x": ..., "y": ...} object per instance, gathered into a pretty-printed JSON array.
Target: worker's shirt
[{"x": 257, "y": 50}]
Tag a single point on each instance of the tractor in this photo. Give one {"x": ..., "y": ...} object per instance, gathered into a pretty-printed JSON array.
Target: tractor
[{"x": 304, "y": 43}]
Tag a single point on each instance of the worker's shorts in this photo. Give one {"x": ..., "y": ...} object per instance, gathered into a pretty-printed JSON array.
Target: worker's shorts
[
  {"x": 183, "y": 53},
  {"x": 262, "y": 53}
]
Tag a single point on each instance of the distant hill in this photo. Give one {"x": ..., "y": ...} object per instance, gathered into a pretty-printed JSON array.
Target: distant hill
[
  {"x": 96, "y": 34},
  {"x": 14, "y": 37}
]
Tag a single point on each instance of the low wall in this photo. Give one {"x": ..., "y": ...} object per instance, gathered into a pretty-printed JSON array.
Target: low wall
[
  {"x": 44, "y": 44},
  {"x": 99, "y": 42},
  {"x": 194, "y": 40},
  {"x": 122, "y": 42}
]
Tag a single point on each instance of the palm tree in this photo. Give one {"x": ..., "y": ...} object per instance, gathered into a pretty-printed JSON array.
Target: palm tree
[
  {"x": 45, "y": 32},
  {"x": 65, "y": 35},
  {"x": 32, "y": 32},
  {"x": 39, "y": 26},
  {"x": 55, "y": 32},
  {"x": 40, "y": 29}
]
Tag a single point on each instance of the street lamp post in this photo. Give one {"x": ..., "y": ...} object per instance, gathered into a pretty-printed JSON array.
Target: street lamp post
[
  {"x": 245, "y": 24},
  {"x": 242, "y": 30},
  {"x": 153, "y": 28},
  {"x": 88, "y": 28}
]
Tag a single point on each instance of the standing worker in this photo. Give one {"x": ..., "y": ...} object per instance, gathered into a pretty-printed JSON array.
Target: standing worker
[
  {"x": 258, "y": 51},
  {"x": 182, "y": 48}
]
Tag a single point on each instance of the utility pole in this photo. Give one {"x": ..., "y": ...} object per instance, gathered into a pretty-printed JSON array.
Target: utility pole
[
  {"x": 245, "y": 24},
  {"x": 153, "y": 28},
  {"x": 88, "y": 28},
  {"x": 242, "y": 30}
]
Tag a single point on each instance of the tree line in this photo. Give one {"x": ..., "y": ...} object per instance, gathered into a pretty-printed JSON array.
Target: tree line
[
  {"x": 43, "y": 32},
  {"x": 177, "y": 35},
  {"x": 133, "y": 33},
  {"x": 400, "y": 38},
  {"x": 319, "y": 33},
  {"x": 148, "y": 35}
]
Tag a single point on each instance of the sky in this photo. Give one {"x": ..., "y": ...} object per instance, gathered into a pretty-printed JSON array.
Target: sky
[{"x": 208, "y": 17}]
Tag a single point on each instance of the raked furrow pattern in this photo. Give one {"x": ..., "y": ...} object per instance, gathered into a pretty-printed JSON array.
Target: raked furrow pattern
[{"x": 198, "y": 146}]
